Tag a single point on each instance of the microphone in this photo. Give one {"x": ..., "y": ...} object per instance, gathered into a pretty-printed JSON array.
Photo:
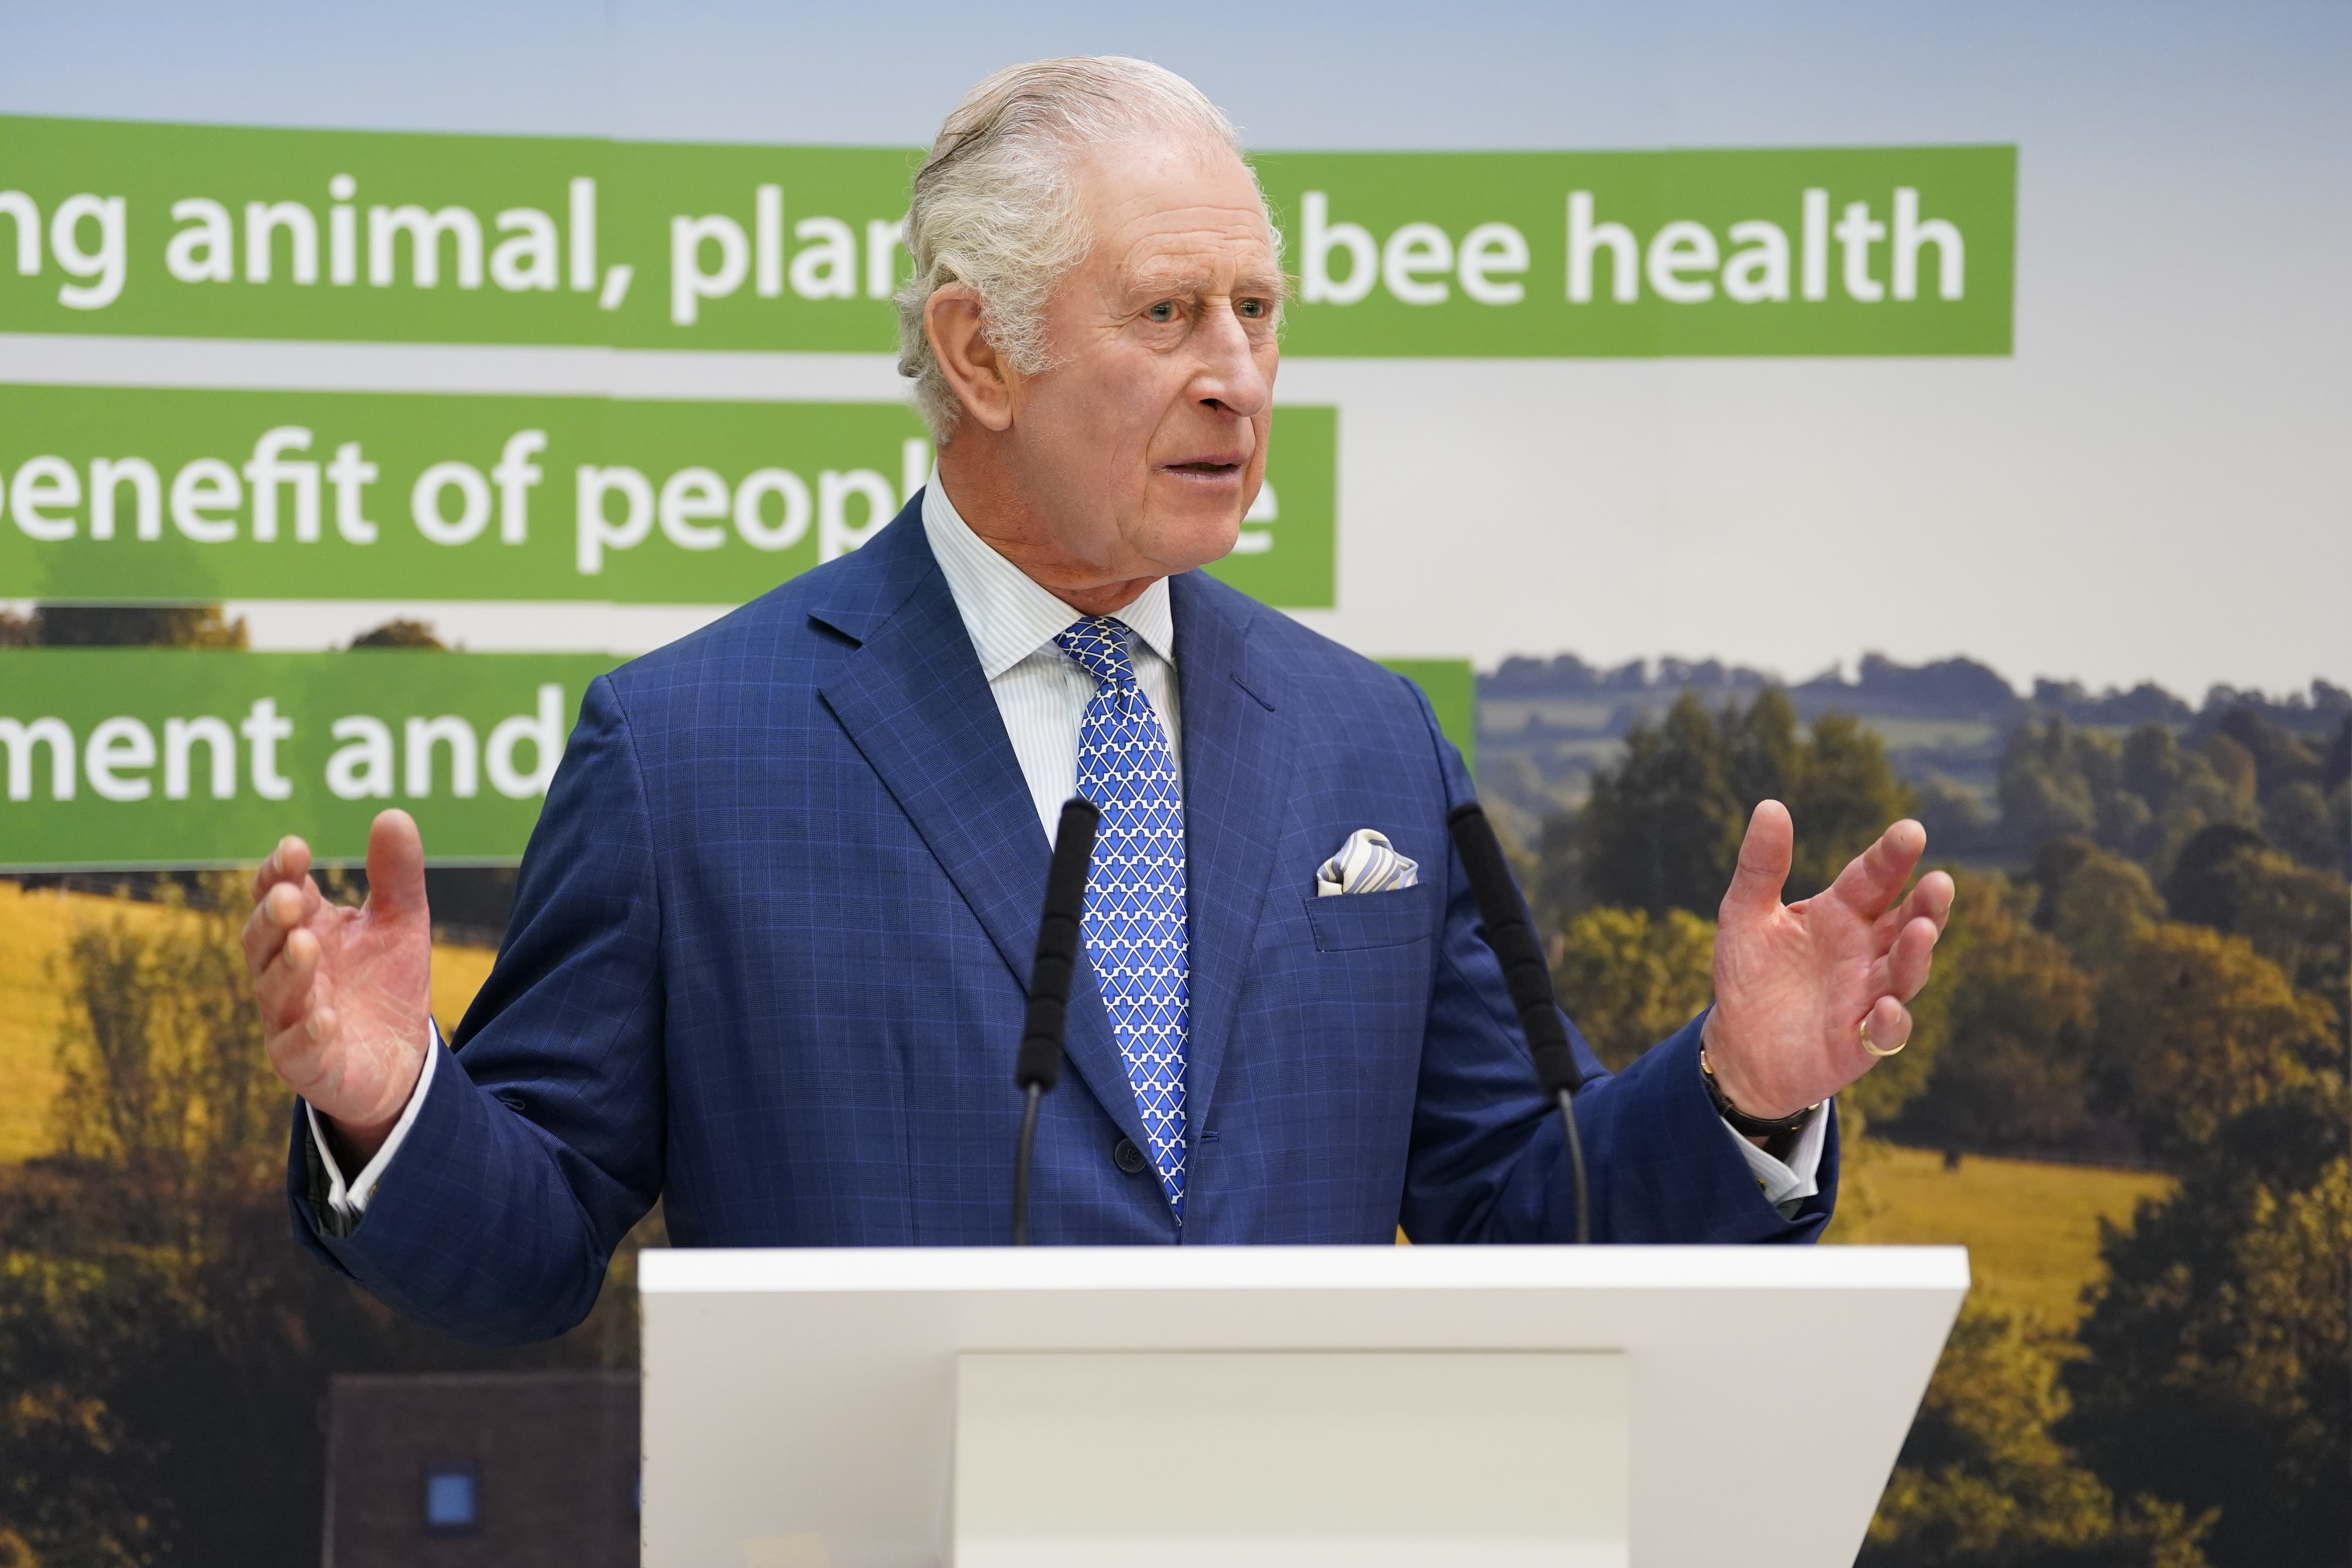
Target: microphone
[
  {"x": 1037, "y": 1066},
  {"x": 1528, "y": 978}
]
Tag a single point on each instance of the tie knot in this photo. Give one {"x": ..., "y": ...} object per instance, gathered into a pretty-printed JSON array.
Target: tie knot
[{"x": 1098, "y": 645}]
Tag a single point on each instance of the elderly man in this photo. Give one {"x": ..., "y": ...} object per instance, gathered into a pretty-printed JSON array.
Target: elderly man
[{"x": 771, "y": 942}]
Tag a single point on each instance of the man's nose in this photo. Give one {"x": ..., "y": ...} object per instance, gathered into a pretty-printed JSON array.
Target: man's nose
[{"x": 1229, "y": 377}]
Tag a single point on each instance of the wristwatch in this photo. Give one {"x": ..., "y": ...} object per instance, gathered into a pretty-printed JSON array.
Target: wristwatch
[{"x": 1748, "y": 1126}]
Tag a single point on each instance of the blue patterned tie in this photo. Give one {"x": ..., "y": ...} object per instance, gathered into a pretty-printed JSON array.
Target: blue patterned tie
[{"x": 1135, "y": 923}]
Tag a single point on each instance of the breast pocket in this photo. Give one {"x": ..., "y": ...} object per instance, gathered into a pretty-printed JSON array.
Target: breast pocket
[{"x": 1346, "y": 922}]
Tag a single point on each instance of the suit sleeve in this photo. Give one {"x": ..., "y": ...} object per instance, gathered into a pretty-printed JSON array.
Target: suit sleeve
[
  {"x": 540, "y": 1141},
  {"x": 1488, "y": 1160}
]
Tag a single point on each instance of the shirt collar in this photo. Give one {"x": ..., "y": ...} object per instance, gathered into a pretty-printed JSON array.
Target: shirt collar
[{"x": 1005, "y": 613}]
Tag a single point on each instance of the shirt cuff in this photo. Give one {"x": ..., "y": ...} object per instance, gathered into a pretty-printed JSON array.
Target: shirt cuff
[
  {"x": 351, "y": 1198},
  {"x": 1788, "y": 1184}
]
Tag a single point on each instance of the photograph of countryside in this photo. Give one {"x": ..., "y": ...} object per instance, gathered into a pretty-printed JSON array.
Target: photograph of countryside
[{"x": 2127, "y": 1096}]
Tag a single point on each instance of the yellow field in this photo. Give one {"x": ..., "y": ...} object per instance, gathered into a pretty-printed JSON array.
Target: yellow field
[
  {"x": 458, "y": 974},
  {"x": 34, "y": 930},
  {"x": 2032, "y": 1229}
]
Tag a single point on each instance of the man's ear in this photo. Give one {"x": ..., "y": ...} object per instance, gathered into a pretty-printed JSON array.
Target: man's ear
[{"x": 975, "y": 370}]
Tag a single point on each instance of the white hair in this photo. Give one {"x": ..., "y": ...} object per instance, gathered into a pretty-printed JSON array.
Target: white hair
[{"x": 996, "y": 207}]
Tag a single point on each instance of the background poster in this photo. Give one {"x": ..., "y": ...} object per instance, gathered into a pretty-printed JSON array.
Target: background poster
[{"x": 1889, "y": 409}]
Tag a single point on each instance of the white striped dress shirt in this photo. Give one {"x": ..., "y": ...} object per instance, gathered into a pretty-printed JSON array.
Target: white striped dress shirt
[{"x": 1039, "y": 690}]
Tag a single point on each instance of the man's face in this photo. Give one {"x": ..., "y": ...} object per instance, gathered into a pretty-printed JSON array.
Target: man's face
[{"x": 1141, "y": 447}]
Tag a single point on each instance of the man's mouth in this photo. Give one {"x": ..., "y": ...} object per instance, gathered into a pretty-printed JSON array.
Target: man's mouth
[{"x": 1208, "y": 468}]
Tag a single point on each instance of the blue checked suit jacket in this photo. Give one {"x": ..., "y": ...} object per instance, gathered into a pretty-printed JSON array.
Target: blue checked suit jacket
[{"x": 769, "y": 954}]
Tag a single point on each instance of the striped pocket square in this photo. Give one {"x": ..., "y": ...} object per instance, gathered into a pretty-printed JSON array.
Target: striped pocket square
[{"x": 1367, "y": 863}]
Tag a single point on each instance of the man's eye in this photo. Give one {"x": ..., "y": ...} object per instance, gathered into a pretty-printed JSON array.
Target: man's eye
[
  {"x": 1163, "y": 312},
  {"x": 1250, "y": 309}
]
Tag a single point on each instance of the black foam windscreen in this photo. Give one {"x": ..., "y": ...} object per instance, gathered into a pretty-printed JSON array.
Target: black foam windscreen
[
  {"x": 1516, "y": 948},
  {"x": 1059, "y": 928}
]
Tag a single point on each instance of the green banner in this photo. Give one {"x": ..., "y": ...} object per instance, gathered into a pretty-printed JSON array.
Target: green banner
[
  {"x": 227, "y": 232},
  {"x": 161, "y": 757},
  {"x": 1880, "y": 250},
  {"x": 223, "y": 232},
  {"x": 155, "y": 495},
  {"x": 177, "y": 757},
  {"x": 1452, "y": 688}
]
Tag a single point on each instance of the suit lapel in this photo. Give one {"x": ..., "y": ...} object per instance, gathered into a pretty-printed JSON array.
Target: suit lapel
[
  {"x": 1237, "y": 761},
  {"x": 916, "y": 705}
]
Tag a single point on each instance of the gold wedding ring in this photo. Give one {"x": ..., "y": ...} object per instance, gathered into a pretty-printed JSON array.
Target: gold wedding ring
[{"x": 1872, "y": 1046}]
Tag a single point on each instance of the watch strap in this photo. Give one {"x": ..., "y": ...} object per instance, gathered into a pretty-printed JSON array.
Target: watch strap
[{"x": 1748, "y": 1126}]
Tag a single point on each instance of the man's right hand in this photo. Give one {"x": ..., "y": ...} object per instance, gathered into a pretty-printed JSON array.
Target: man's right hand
[{"x": 346, "y": 994}]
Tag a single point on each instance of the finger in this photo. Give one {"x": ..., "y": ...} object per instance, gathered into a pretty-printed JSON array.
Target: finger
[
  {"x": 283, "y": 991},
  {"x": 291, "y": 905},
  {"x": 261, "y": 939},
  {"x": 289, "y": 862},
  {"x": 1888, "y": 1025},
  {"x": 284, "y": 908},
  {"x": 1872, "y": 878},
  {"x": 297, "y": 1051},
  {"x": 1908, "y": 965},
  {"x": 1901, "y": 970},
  {"x": 396, "y": 867},
  {"x": 1932, "y": 898},
  {"x": 1764, "y": 859}
]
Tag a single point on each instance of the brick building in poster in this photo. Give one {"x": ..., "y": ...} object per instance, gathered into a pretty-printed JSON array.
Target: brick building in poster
[{"x": 471, "y": 1470}]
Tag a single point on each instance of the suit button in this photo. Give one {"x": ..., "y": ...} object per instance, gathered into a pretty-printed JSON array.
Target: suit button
[{"x": 1129, "y": 1157}]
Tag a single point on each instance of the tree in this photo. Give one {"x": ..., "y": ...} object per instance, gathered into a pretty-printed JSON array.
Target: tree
[
  {"x": 168, "y": 1097},
  {"x": 2144, "y": 797},
  {"x": 2217, "y": 1375},
  {"x": 2152, "y": 764},
  {"x": 2215, "y": 789},
  {"x": 2306, "y": 825},
  {"x": 2195, "y": 1027},
  {"x": 1841, "y": 794},
  {"x": 2014, "y": 1070},
  {"x": 1629, "y": 981},
  {"x": 1984, "y": 1483},
  {"x": 76, "y": 1484},
  {"x": 134, "y": 625},
  {"x": 399, "y": 633},
  {"x": 2091, "y": 900},
  {"x": 2277, "y": 755},
  {"x": 2057, "y": 781},
  {"x": 1557, "y": 894},
  {"x": 1959, "y": 826},
  {"x": 2295, "y": 915},
  {"x": 1663, "y": 828},
  {"x": 2233, "y": 765},
  {"x": 164, "y": 1343}
]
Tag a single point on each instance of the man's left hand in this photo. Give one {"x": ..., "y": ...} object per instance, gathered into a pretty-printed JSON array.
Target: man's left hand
[{"x": 1797, "y": 986}]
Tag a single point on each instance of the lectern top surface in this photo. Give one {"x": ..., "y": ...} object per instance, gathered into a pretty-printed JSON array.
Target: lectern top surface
[
  {"x": 708, "y": 1270},
  {"x": 799, "y": 1399}
]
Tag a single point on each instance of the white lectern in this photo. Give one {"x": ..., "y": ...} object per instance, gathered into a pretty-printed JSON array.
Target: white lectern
[{"x": 1473, "y": 1406}]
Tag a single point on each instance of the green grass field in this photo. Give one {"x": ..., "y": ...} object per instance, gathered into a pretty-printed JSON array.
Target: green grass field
[{"x": 2032, "y": 1229}]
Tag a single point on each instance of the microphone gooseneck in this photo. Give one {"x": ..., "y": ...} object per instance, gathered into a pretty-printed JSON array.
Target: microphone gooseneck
[
  {"x": 1037, "y": 1066},
  {"x": 1528, "y": 978}
]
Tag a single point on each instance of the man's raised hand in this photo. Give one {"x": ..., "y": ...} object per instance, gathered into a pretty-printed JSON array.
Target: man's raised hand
[
  {"x": 346, "y": 994},
  {"x": 1797, "y": 984}
]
